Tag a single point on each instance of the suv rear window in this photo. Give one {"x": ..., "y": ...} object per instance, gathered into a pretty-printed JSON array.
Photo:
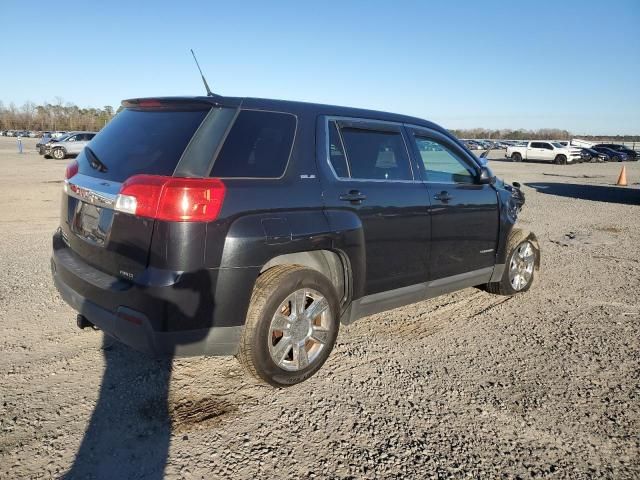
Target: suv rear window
[
  {"x": 258, "y": 146},
  {"x": 141, "y": 141}
]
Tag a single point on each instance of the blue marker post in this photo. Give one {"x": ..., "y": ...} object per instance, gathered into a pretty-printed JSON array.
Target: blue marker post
[{"x": 19, "y": 145}]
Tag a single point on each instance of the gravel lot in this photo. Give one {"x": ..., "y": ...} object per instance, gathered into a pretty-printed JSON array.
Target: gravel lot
[{"x": 545, "y": 384}]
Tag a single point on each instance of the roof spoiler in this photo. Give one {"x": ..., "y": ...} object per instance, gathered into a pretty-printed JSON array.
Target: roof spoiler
[{"x": 173, "y": 102}]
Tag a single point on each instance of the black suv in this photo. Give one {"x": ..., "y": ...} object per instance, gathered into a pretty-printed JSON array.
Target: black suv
[{"x": 252, "y": 227}]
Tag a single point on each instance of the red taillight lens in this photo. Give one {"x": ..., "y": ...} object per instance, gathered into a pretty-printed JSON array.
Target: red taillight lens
[
  {"x": 72, "y": 169},
  {"x": 172, "y": 199}
]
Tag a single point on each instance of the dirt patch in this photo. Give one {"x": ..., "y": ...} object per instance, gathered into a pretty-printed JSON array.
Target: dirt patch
[
  {"x": 584, "y": 238},
  {"x": 189, "y": 413},
  {"x": 609, "y": 229}
]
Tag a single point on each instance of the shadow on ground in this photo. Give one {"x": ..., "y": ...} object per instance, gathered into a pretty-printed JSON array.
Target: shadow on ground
[
  {"x": 129, "y": 432},
  {"x": 596, "y": 193}
]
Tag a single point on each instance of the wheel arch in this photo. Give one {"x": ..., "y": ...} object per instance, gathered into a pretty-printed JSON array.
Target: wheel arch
[
  {"x": 58, "y": 147},
  {"x": 333, "y": 265}
]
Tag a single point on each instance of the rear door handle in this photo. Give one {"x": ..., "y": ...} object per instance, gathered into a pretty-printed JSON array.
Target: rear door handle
[
  {"x": 354, "y": 196},
  {"x": 443, "y": 196}
]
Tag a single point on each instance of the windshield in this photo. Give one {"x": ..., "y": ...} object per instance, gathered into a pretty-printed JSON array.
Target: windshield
[
  {"x": 558, "y": 145},
  {"x": 140, "y": 141}
]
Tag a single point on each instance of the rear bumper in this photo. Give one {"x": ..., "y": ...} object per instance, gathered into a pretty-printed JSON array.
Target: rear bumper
[
  {"x": 159, "y": 320},
  {"x": 133, "y": 329}
]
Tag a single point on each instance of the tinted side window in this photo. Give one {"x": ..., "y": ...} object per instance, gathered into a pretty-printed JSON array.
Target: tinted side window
[
  {"x": 546, "y": 146},
  {"x": 442, "y": 165},
  {"x": 336, "y": 152},
  {"x": 258, "y": 146},
  {"x": 536, "y": 145},
  {"x": 375, "y": 155}
]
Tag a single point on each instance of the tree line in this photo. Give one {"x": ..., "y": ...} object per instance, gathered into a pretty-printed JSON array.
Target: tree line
[
  {"x": 541, "y": 134},
  {"x": 53, "y": 116},
  {"x": 67, "y": 116}
]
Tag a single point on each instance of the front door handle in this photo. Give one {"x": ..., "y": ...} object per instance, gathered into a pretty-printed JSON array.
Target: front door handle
[
  {"x": 443, "y": 196},
  {"x": 354, "y": 196}
]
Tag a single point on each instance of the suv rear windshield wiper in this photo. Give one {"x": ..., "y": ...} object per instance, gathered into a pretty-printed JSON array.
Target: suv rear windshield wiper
[{"x": 95, "y": 162}]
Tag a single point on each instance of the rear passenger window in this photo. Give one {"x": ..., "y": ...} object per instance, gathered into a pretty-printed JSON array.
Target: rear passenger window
[
  {"x": 258, "y": 146},
  {"x": 376, "y": 155}
]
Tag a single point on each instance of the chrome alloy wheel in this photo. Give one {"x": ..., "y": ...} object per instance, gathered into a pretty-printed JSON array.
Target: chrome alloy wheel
[
  {"x": 300, "y": 330},
  {"x": 521, "y": 266}
]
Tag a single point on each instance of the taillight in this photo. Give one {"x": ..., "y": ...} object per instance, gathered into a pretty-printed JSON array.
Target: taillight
[
  {"x": 150, "y": 102},
  {"x": 171, "y": 199},
  {"x": 72, "y": 169}
]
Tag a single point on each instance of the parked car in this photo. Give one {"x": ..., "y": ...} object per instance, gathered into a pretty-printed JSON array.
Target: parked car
[
  {"x": 41, "y": 144},
  {"x": 254, "y": 227},
  {"x": 544, "y": 151},
  {"x": 69, "y": 145},
  {"x": 594, "y": 155},
  {"x": 58, "y": 134},
  {"x": 614, "y": 155},
  {"x": 46, "y": 148},
  {"x": 631, "y": 154}
]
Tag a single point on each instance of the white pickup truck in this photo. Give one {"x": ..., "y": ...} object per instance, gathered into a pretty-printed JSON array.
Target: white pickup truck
[{"x": 544, "y": 151}]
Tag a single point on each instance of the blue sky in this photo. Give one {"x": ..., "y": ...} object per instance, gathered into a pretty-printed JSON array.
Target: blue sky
[{"x": 557, "y": 64}]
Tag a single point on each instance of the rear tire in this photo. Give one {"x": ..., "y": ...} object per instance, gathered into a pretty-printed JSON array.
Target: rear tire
[
  {"x": 522, "y": 261},
  {"x": 283, "y": 343},
  {"x": 561, "y": 160},
  {"x": 516, "y": 157}
]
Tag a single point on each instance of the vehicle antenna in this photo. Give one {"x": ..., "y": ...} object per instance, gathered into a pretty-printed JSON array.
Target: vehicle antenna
[{"x": 204, "y": 80}]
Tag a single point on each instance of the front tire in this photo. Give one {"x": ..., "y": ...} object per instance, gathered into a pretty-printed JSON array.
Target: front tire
[
  {"x": 58, "y": 153},
  {"x": 516, "y": 157},
  {"x": 522, "y": 261},
  {"x": 561, "y": 160},
  {"x": 291, "y": 326}
]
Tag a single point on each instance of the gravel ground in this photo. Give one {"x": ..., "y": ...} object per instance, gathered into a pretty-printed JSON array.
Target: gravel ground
[{"x": 545, "y": 384}]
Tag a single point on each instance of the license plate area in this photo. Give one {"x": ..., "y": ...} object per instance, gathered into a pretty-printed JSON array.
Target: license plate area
[{"x": 92, "y": 223}]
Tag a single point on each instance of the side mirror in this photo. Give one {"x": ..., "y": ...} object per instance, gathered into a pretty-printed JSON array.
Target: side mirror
[{"x": 486, "y": 176}]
